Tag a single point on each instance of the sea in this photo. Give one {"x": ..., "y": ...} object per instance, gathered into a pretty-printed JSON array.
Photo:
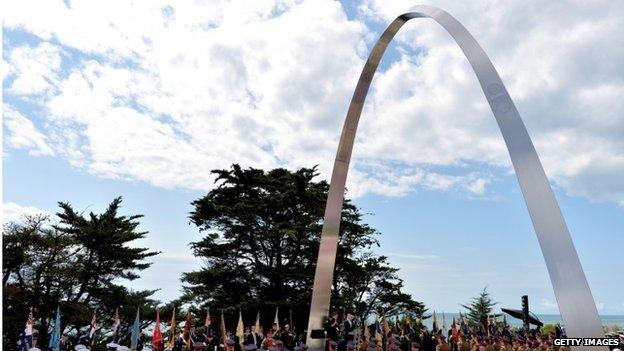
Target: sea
[{"x": 607, "y": 320}]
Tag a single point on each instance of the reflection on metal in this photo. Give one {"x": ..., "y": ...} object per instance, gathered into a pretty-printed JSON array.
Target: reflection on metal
[{"x": 574, "y": 298}]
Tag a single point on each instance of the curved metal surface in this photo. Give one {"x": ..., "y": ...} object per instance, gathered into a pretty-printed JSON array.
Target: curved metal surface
[{"x": 574, "y": 298}]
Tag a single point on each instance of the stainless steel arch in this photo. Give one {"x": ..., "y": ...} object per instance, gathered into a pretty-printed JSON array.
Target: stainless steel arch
[{"x": 574, "y": 298}]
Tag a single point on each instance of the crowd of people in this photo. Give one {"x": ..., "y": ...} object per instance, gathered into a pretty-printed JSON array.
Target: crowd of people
[
  {"x": 342, "y": 333},
  {"x": 489, "y": 335}
]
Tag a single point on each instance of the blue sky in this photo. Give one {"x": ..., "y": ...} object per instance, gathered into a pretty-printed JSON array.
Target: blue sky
[{"x": 144, "y": 104}]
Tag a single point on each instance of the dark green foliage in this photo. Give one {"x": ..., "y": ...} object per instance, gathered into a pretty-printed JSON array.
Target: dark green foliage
[
  {"x": 480, "y": 308},
  {"x": 261, "y": 238},
  {"x": 75, "y": 264}
]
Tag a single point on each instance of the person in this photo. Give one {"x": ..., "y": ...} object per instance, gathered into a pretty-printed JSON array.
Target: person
[
  {"x": 332, "y": 327},
  {"x": 333, "y": 345},
  {"x": 268, "y": 340},
  {"x": 253, "y": 338},
  {"x": 287, "y": 338},
  {"x": 64, "y": 344},
  {"x": 275, "y": 330},
  {"x": 442, "y": 345},
  {"x": 178, "y": 343},
  {"x": 348, "y": 327},
  {"x": 197, "y": 339},
  {"x": 84, "y": 340},
  {"x": 140, "y": 341},
  {"x": 558, "y": 331},
  {"x": 415, "y": 346}
]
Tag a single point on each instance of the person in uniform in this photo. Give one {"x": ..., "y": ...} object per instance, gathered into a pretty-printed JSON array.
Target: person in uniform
[
  {"x": 254, "y": 338},
  {"x": 348, "y": 327},
  {"x": 332, "y": 327},
  {"x": 287, "y": 338},
  {"x": 275, "y": 330}
]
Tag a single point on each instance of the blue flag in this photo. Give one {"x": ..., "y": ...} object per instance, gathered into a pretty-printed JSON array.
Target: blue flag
[
  {"x": 56, "y": 332},
  {"x": 134, "y": 338}
]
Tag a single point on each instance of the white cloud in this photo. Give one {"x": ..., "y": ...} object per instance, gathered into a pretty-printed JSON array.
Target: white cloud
[
  {"x": 561, "y": 68},
  {"x": 164, "y": 93},
  {"x": 21, "y": 133},
  {"x": 34, "y": 68},
  {"x": 14, "y": 212}
]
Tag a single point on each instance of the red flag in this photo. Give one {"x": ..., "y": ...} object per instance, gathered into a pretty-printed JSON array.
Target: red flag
[{"x": 157, "y": 338}]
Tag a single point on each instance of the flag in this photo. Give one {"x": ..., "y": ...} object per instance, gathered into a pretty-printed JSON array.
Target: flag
[
  {"x": 257, "y": 326},
  {"x": 172, "y": 329},
  {"x": 386, "y": 327},
  {"x": 434, "y": 327},
  {"x": 157, "y": 338},
  {"x": 134, "y": 337},
  {"x": 223, "y": 331},
  {"x": 92, "y": 328},
  {"x": 366, "y": 332},
  {"x": 186, "y": 335},
  {"x": 443, "y": 323},
  {"x": 116, "y": 325},
  {"x": 455, "y": 331},
  {"x": 378, "y": 332},
  {"x": 240, "y": 329},
  {"x": 26, "y": 337},
  {"x": 207, "y": 322},
  {"x": 55, "y": 337},
  {"x": 276, "y": 320}
]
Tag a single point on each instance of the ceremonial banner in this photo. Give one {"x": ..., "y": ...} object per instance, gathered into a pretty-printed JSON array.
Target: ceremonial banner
[
  {"x": 134, "y": 337},
  {"x": 157, "y": 338},
  {"x": 240, "y": 329},
  {"x": 172, "y": 329},
  {"x": 55, "y": 337}
]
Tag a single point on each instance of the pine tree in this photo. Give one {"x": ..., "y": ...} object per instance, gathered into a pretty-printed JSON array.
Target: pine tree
[{"x": 480, "y": 308}]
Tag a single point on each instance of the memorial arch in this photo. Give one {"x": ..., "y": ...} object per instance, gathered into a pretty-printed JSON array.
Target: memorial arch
[{"x": 574, "y": 298}]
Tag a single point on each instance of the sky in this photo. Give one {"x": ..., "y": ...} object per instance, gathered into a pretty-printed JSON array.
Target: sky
[{"x": 142, "y": 99}]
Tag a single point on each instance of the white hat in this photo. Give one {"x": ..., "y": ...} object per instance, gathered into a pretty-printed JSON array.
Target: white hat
[
  {"x": 112, "y": 345},
  {"x": 80, "y": 347},
  {"x": 34, "y": 349},
  {"x": 123, "y": 348}
]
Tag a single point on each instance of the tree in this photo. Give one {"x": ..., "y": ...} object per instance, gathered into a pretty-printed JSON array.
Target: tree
[
  {"x": 75, "y": 264},
  {"x": 261, "y": 239},
  {"x": 480, "y": 309}
]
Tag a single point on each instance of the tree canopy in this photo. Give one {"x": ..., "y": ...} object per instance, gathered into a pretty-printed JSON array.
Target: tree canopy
[
  {"x": 261, "y": 232},
  {"x": 480, "y": 308},
  {"x": 75, "y": 263}
]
